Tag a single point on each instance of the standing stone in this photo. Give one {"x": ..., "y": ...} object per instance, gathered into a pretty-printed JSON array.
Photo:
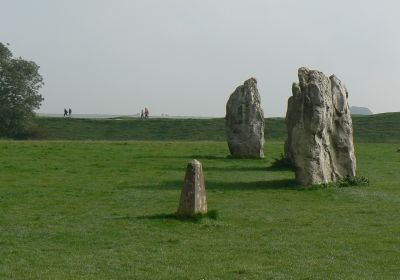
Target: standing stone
[
  {"x": 320, "y": 132},
  {"x": 245, "y": 121},
  {"x": 193, "y": 195}
]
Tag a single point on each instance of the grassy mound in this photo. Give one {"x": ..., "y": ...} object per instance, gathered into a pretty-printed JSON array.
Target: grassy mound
[{"x": 380, "y": 128}]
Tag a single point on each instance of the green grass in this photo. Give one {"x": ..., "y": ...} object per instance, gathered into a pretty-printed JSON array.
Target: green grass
[
  {"x": 104, "y": 210},
  {"x": 378, "y": 128}
]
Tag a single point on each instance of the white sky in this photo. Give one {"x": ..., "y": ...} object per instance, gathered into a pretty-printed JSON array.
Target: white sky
[{"x": 185, "y": 57}]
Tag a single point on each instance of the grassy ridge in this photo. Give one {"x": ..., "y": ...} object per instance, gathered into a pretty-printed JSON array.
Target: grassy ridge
[
  {"x": 378, "y": 128},
  {"x": 102, "y": 210}
]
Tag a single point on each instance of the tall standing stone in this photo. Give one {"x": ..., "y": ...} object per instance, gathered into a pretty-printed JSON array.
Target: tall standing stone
[
  {"x": 245, "y": 121},
  {"x": 320, "y": 132},
  {"x": 193, "y": 196}
]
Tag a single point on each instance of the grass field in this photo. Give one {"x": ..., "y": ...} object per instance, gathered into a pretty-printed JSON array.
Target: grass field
[{"x": 102, "y": 210}]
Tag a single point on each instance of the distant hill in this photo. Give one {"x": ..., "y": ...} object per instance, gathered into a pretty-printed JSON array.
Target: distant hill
[
  {"x": 360, "y": 110},
  {"x": 373, "y": 128}
]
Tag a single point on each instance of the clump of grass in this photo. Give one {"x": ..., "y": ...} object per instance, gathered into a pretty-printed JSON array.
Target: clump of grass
[
  {"x": 349, "y": 182},
  {"x": 282, "y": 163},
  {"x": 354, "y": 181}
]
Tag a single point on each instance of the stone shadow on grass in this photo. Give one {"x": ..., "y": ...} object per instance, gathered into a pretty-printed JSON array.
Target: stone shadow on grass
[
  {"x": 199, "y": 157},
  {"x": 287, "y": 184},
  {"x": 227, "y": 158},
  {"x": 281, "y": 164},
  {"x": 236, "y": 168},
  {"x": 227, "y": 168},
  {"x": 160, "y": 157},
  {"x": 212, "y": 214},
  {"x": 278, "y": 168},
  {"x": 277, "y": 184}
]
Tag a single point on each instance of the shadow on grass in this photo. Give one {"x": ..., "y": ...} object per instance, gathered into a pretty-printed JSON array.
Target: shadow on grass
[
  {"x": 200, "y": 157},
  {"x": 225, "y": 168},
  {"x": 227, "y": 157},
  {"x": 243, "y": 157},
  {"x": 160, "y": 157},
  {"x": 278, "y": 168},
  {"x": 283, "y": 184},
  {"x": 237, "y": 168},
  {"x": 212, "y": 214},
  {"x": 281, "y": 164},
  {"x": 288, "y": 184}
]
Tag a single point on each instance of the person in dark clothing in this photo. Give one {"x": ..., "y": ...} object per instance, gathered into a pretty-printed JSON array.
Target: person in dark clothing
[
  {"x": 65, "y": 112},
  {"x": 70, "y": 111}
]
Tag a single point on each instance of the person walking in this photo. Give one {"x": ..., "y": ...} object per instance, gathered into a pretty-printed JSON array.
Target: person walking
[
  {"x": 70, "y": 112},
  {"x": 141, "y": 114},
  {"x": 146, "y": 113},
  {"x": 65, "y": 112}
]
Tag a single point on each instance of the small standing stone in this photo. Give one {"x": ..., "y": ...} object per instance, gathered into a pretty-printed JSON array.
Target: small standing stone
[{"x": 193, "y": 196}]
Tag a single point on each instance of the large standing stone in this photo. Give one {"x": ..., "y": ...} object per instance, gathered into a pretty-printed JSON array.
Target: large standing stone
[
  {"x": 193, "y": 196},
  {"x": 320, "y": 133},
  {"x": 245, "y": 121}
]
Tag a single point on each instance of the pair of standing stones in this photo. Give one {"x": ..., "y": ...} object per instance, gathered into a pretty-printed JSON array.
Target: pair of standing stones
[{"x": 320, "y": 134}]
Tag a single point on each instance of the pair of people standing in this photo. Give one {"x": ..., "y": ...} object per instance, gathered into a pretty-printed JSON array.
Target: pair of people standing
[
  {"x": 145, "y": 114},
  {"x": 67, "y": 113}
]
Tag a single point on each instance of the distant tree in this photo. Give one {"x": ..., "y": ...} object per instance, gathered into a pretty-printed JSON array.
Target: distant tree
[{"x": 20, "y": 82}]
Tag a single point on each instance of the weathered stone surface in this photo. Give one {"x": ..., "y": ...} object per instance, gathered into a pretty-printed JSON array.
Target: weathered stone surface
[
  {"x": 320, "y": 132},
  {"x": 193, "y": 196},
  {"x": 245, "y": 121}
]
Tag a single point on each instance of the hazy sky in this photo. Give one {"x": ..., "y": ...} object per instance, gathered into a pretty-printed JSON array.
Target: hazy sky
[{"x": 185, "y": 57}]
